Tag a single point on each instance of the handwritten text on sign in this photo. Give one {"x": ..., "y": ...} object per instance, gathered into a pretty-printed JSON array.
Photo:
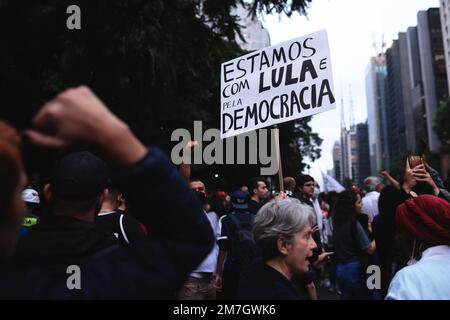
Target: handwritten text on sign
[{"x": 281, "y": 83}]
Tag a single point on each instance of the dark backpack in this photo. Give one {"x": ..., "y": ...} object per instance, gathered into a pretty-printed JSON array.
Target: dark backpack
[
  {"x": 363, "y": 257},
  {"x": 242, "y": 241}
]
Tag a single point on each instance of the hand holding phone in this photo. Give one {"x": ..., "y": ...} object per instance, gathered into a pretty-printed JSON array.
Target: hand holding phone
[{"x": 414, "y": 161}]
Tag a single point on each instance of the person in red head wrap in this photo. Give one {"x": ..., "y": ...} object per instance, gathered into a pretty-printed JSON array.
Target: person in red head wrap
[{"x": 426, "y": 221}]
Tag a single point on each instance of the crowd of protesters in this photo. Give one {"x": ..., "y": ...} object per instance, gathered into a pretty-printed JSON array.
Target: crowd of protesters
[{"x": 138, "y": 227}]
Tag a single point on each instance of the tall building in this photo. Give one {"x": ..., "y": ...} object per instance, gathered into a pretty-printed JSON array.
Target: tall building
[
  {"x": 349, "y": 156},
  {"x": 395, "y": 113},
  {"x": 445, "y": 25},
  {"x": 255, "y": 36},
  {"x": 405, "y": 73},
  {"x": 433, "y": 68},
  {"x": 377, "y": 108},
  {"x": 362, "y": 135},
  {"x": 417, "y": 95},
  {"x": 354, "y": 155},
  {"x": 337, "y": 162},
  {"x": 346, "y": 161}
]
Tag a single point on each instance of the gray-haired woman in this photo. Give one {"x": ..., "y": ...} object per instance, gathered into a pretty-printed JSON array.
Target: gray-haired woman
[{"x": 282, "y": 231}]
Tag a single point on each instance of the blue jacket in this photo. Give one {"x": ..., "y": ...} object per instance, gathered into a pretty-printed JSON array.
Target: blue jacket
[{"x": 180, "y": 237}]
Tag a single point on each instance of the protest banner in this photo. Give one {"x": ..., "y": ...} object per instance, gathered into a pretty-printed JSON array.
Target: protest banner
[{"x": 277, "y": 84}]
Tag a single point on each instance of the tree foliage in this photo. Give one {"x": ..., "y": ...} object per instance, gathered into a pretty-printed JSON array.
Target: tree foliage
[
  {"x": 442, "y": 126},
  {"x": 156, "y": 64}
]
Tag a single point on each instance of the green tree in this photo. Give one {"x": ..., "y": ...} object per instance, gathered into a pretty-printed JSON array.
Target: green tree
[
  {"x": 155, "y": 63},
  {"x": 442, "y": 126}
]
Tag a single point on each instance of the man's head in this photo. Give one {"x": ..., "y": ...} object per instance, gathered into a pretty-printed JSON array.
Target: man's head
[
  {"x": 259, "y": 188},
  {"x": 113, "y": 199},
  {"x": 197, "y": 185},
  {"x": 200, "y": 191},
  {"x": 289, "y": 184},
  {"x": 78, "y": 185},
  {"x": 373, "y": 184},
  {"x": 244, "y": 189},
  {"x": 305, "y": 185}
]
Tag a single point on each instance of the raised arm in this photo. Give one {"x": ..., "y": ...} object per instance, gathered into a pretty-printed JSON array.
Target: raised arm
[{"x": 158, "y": 196}]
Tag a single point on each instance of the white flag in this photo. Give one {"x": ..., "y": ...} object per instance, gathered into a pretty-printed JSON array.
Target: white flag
[{"x": 330, "y": 184}]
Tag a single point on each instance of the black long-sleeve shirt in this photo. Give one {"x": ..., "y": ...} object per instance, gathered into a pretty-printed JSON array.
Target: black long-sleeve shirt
[{"x": 154, "y": 268}]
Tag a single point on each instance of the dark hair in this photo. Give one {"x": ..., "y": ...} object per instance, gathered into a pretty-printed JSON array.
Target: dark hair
[
  {"x": 423, "y": 188},
  {"x": 302, "y": 179},
  {"x": 113, "y": 194},
  {"x": 390, "y": 199},
  {"x": 289, "y": 183},
  {"x": 254, "y": 184},
  {"x": 323, "y": 196},
  {"x": 217, "y": 204},
  {"x": 447, "y": 183},
  {"x": 331, "y": 198},
  {"x": 344, "y": 209}
]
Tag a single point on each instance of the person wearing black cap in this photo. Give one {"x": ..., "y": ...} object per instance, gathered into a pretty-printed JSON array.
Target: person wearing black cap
[
  {"x": 236, "y": 245},
  {"x": 153, "y": 268},
  {"x": 76, "y": 192}
]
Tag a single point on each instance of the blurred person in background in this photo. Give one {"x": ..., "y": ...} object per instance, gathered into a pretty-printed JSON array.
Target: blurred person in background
[{"x": 423, "y": 227}]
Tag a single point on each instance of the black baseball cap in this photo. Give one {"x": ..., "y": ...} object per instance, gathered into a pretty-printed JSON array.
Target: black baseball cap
[{"x": 79, "y": 176}]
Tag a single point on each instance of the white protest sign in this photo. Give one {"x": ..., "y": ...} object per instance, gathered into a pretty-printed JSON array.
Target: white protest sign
[{"x": 277, "y": 84}]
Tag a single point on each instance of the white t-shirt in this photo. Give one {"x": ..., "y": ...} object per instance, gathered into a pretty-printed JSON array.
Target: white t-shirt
[
  {"x": 370, "y": 204},
  {"x": 427, "y": 279},
  {"x": 319, "y": 216},
  {"x": 210, "y": 262}
]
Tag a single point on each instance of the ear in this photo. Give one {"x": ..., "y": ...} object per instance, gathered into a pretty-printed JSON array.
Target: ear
[
  {"x": 282, "y": 246},
  {"x": 48, "y": 192},
  {"x": 103, "y": 196}
]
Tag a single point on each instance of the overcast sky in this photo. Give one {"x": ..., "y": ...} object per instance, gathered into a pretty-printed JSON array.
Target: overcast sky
[{"x": 352, "y": 26}]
